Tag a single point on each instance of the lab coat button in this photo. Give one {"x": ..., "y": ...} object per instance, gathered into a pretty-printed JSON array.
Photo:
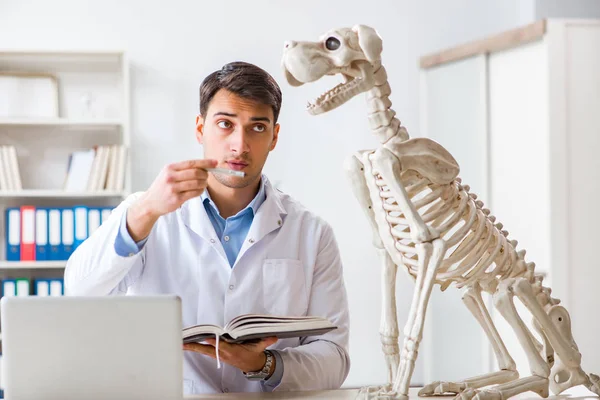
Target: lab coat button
[
  {"x": 231, "y": 287},
  {"x": 251, "y": 240}
]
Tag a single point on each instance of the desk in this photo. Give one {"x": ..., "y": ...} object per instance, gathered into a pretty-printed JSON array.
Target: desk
[{"x": 576, "y": 393}]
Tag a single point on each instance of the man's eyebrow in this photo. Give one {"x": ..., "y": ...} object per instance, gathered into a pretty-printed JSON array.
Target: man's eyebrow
[
  {"x": 255, "y": 119},
  {"x": 225, "y": 114},
  {"x": 261, "y": 119}
]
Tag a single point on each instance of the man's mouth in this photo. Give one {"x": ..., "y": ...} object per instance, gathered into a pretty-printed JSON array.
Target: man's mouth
[{"x": 237, "y": 165}]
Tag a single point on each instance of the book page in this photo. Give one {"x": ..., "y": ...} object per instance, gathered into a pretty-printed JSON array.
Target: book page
[
  {"x": 198, "y": 333},
  {"x": 257, "y": 318}
]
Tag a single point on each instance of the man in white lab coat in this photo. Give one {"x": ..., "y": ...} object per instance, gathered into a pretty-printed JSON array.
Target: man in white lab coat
[{"x": 228, "y": 245}]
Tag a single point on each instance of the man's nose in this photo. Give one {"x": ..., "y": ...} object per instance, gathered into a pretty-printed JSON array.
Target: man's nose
[{"x": 239, "y": 142}]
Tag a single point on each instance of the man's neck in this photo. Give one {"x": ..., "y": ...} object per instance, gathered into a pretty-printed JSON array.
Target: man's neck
[{"x": 230, "y": 201}]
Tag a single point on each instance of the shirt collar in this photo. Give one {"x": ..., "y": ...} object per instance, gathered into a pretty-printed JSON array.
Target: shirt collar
[{"x": 254, "y": 205}]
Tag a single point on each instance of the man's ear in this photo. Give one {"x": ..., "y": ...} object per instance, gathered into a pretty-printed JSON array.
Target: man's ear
[
  {"x": 199, "y": 128},
  {"x": 275, "y": 137}
]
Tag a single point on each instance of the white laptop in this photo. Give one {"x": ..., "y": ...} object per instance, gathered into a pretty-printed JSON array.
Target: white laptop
[{"x": 87, "y": 348}]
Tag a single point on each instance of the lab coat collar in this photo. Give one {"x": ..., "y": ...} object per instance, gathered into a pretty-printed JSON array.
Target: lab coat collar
[{"x": 269, "y": 216}]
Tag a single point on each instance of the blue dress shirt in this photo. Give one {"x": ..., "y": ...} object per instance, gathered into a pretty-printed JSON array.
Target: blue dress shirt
[{"x": 231, "y": 231}]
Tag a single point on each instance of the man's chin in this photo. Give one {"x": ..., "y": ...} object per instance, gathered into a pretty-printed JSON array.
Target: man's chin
[{"x": 235, "y": 182}]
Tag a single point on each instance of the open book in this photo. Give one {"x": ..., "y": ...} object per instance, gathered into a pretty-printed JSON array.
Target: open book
[{"x": 253, "y": 327}]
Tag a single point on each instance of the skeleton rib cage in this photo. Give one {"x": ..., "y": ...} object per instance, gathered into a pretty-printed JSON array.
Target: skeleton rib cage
[{"x": 478, "y": 248}]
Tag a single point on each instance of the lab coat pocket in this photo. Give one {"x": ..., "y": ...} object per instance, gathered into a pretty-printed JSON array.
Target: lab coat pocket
[{"x": 284, "y": 287}]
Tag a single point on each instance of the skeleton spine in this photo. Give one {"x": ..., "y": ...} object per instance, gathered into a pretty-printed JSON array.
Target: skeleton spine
[{"x": 382, "y": 119}]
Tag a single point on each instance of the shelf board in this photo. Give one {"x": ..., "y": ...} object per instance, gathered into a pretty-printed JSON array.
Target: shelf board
[
  {"x": 60, "y": 194},
  {"x": 89, "y": 123},
  {"x": 32, "y": 264}
]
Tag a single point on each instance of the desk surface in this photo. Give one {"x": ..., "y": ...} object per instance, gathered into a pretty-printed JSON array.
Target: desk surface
[{"x": 576, "y": 393}]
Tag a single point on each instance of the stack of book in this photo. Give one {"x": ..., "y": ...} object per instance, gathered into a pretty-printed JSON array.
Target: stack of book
[
  {"x": 10, "y": 178},
  {"x": 99, "y": 169}
]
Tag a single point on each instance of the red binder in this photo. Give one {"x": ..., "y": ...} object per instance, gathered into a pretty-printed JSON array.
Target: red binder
[{"x": 27, "y": 233}]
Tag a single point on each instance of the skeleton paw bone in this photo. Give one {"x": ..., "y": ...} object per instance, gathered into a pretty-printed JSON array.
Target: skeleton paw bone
[{"x": 442, "y": 388}]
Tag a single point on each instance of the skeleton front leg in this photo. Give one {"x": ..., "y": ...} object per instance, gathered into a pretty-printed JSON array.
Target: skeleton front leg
[
  {"x": 430, "y": 253},
  {"x": 388, "y": 330},
  {"x": 430, "y": 258}
]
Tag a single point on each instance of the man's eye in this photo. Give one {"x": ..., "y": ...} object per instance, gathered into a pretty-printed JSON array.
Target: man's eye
[
  {"x": 224, "y": 124},
  {"x": 259, "y": 128}
]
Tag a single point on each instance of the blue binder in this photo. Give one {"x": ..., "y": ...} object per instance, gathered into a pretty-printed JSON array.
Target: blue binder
[
  {"x": 9, "y": 287},
  {"x": 13, "y": 233},
  {"x": 54, "y": 234},
  {"x": 41, "y": 287},
  {"x": 81, "y": 225},
  {"x": 57, "y": 287},
  {"x": 67, "y": 232},
  {"x": 42, "y": 247}
]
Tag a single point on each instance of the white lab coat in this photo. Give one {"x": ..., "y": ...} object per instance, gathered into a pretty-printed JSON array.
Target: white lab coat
[{"x": 288, "y": 265}]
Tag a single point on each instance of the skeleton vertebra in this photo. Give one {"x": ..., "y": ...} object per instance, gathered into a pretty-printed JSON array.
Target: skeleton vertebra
[{"x": 425, "y": 219}]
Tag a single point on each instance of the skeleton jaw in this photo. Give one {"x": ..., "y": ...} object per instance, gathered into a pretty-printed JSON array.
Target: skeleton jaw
[{"x": 357, "y": 79}]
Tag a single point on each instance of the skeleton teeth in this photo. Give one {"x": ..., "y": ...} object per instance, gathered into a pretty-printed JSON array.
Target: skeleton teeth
[{"x": 332, "y": 94}]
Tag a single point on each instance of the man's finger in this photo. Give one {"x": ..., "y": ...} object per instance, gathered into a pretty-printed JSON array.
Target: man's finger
[
  {"x": 189, "y": 164},
  {"x": 223, "y": 345},
  {"x": 266, "y": 342},
  {"x": 190, "y": 174},
  {"x": 186, "y": 186},
  {"x": 200, "y": 348}
]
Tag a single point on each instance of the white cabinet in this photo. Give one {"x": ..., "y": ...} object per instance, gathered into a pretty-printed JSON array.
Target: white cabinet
[{"x": 520, "y": 111}]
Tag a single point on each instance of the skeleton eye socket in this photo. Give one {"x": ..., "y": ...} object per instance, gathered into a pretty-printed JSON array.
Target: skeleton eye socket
[{"x": 332, "y": 43}]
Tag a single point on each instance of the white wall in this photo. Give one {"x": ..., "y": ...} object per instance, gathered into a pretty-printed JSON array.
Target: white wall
[{"x": 173, "y": 45}]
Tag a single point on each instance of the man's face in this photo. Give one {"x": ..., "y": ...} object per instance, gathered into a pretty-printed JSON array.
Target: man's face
[{"x": 239, "y": 134}]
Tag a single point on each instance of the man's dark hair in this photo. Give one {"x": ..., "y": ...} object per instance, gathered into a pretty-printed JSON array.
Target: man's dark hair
[{"x": 245, "y": 80}]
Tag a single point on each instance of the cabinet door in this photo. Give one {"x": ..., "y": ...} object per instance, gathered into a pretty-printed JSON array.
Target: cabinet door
[
  {"x": 582, "y": 133},
  {"x": 519, "y": 163},
  {"x": 453, "y": 113}
]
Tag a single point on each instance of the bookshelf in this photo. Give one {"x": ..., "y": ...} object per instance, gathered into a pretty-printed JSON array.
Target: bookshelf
[
  {"x": 59, "y": 194},
  {"x": 92, "y": 103},
  {"x": 12, "y": 265},
  {"x": 79, "y": 124}
]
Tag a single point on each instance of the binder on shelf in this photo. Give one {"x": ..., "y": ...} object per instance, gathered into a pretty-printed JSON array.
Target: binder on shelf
[
  {"x": 56, "y": 287},
  {"x": 67, "y": 233},
  {"x": 13, "y": 233},
  {"x": 27, "y": 233},
  {"x": 54, "y": 234},
  {"x": 23, "y": 288},
  {"x": 78, "y": 170},
  {"x": 105, "y": 211},
  {"x": 81, "y": 225},
  {"x": 93, "y": 220},
  {"x": 42, "y": 287},
  {"x": 9, "y": 287},
  {"x": 41, "y": 235}
]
